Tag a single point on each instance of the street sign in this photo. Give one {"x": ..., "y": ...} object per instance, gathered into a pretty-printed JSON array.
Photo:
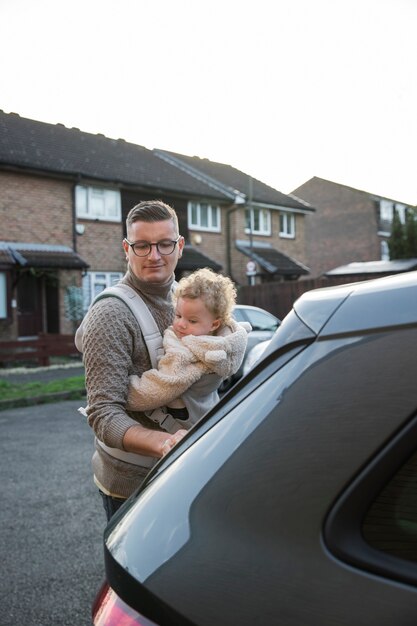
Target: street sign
[{"x": 250, "y": 268}]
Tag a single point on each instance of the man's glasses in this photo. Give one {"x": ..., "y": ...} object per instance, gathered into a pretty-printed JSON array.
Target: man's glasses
[{"x": 143, "y": 248}]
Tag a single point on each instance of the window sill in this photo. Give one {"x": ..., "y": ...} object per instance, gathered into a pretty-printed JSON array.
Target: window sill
[
  {"x": 202, "y": 229},
  {"x": 258, "y": 233},
  {"x": 89, "y": 218}
]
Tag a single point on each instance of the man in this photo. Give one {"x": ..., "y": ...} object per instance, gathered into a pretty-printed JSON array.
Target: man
[{"x": 128, "y": 443}]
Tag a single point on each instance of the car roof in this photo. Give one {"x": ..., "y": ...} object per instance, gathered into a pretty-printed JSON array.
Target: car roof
[
  {"x": 373, "y": 304},
  {"x": 254, "y": 308},
  {"x": 250, "y": 306}
]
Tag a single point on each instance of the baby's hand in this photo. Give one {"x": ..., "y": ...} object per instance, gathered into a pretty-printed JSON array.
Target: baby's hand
[{"x": 172, "y": 440}]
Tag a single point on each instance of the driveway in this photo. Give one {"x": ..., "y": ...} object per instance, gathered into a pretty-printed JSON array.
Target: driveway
[{"x": 51, "y": 517}]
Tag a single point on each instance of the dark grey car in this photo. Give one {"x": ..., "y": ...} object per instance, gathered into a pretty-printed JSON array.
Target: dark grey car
[{"x": 294, "y": 502}]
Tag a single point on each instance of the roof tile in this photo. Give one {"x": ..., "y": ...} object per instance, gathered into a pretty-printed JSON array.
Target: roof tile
[{"x": 55, "y": 148}]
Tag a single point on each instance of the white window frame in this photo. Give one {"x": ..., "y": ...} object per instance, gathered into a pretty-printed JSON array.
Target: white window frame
[
  {"x": 264, "y": 221},
  {"x": 286, "y": 225},
  {"x": 95, "y": 282},
  {"x": 384, "y": 250},
  {"x": 3, "y": 295},
  {"x": 100, "y": 203},
  {"x": 195, "y": 217},
  {"x": 401, "y": 210},
  {"x": 386, "y": 210}
]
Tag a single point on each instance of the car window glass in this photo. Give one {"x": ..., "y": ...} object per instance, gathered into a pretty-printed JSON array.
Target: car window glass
[
  {"x": 238, "y": 315},
  {"x": 391, "y": 522},
  {"x": 260, "y": 320}
]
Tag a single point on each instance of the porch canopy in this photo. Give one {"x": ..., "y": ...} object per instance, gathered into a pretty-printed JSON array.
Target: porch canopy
[
  {"x": 192, "y": 259},
  {"x": 15, "y": 254},
  {"x": 271, "y": 260}
]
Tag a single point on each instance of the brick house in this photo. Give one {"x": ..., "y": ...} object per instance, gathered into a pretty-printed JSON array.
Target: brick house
[
  {"x": 349, "y": 225},
  {"x": 260, "y": 225},
  {"x": 64, "y": 197}
]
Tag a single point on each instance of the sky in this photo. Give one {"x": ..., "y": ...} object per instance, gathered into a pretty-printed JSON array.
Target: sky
[{"x": 283, "y": 90}]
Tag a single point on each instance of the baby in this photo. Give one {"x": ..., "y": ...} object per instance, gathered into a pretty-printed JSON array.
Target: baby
[{"x": 203, "y": 346}]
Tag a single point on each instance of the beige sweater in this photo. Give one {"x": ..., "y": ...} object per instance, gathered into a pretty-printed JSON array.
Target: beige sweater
[
  {"x": 184, "y": 362},
  {"x": 113, "y": 350}
]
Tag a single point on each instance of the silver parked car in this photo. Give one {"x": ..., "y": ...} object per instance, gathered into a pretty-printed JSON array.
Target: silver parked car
[{"x": 264, "y": 325}]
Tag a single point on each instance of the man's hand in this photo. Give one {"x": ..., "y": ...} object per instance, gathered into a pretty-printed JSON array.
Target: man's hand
[
  {"x": 172, "y": 440},
  {"x": 154, "y": 443}
]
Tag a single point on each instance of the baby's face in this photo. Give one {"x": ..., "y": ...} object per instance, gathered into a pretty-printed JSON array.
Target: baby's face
[{"x": 193, "y": 318}]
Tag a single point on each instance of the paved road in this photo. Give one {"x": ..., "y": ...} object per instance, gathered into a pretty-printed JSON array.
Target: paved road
[{"x": 51, "y": 518}]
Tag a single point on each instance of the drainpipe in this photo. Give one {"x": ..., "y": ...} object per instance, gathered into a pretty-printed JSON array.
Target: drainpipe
[
  {"x": 74, "y": 220},
  {"x": 239, "y": 203},
  {"x": 250, "y": 214}
]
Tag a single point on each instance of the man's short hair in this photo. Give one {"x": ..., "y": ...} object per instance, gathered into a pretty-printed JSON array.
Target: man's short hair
[{"x": 152, "y": 211}]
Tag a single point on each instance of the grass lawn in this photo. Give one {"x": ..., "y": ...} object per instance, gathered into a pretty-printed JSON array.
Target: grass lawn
[{"x": 12, "y": 391}]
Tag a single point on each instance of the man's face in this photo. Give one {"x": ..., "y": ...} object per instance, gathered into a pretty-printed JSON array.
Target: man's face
[{"x": 155, "y": 267}]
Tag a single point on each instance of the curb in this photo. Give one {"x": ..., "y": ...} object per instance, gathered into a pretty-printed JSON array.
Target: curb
[{"x": 59, "y": 396}]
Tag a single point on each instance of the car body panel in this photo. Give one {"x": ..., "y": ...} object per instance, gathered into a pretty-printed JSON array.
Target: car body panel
[
  {"x": 230, "y": 528},
  {"x": 365, "y": 305}
]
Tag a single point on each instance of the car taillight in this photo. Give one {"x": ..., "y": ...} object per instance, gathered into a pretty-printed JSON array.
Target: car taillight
[{"x": 110, "y": 610}]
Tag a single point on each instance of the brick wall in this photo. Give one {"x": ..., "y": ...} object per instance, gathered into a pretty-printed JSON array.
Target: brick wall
[
  {"x": 35, "y": 209},
  {"x": 344, "y": 227},
  {"x": 101, "y": 246},
  {"x": 212, "y": 245},
  {"x": 294, "y": 248}
]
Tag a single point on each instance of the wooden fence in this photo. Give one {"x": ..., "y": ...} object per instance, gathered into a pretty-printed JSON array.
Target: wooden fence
[
  {"x": 278, "y": 298},
  {"x": 40, "y": 349}
]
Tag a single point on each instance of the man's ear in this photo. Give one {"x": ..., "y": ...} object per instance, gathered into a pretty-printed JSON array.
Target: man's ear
[{"x": 180, "y": 244}]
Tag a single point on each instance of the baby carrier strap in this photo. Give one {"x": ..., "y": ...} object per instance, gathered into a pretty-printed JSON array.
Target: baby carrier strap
[{"x": 147, "y": 324}]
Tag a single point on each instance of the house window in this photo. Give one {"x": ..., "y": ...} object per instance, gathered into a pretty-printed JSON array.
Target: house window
[
  {"x": 3, "y": 296},
  {"x": 95, "y": 282},
  {"x": 384, "y": 251},
  {"x": 287, "y": 225},
  {"x": 258, "y": 221},
  {"x": 401, "y": 210},
  {"x": 386, "y": 210},
  {"x": 203, "y": 216},
  {"x": 97, "y": 203}
]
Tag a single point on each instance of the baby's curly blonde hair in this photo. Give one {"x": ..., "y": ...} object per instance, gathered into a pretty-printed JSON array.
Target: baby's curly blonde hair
[{"x": 217, "y": 292}]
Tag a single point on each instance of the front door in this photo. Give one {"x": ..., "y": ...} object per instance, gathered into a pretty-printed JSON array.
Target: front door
[{"x": 29, "y": 305}]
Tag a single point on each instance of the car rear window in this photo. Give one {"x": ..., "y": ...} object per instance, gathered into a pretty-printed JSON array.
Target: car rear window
[{"x": 391, "y": 522}]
